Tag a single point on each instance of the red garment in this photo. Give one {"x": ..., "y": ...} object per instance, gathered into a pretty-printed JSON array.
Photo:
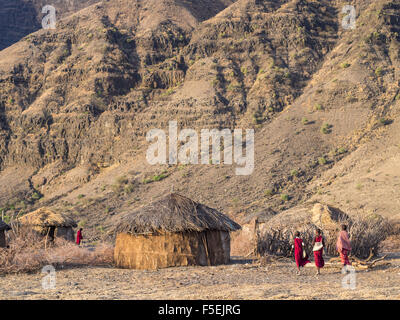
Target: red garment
[
  {"x": 318, "y": 258},
  {"x": 298, "y": 253},
  {"x": 79, "y": 237},
  {"x": 344, "y": 257}
]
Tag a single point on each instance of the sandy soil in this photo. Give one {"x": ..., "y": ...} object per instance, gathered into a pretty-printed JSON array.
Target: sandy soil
[{"x": 239, "y": 280}]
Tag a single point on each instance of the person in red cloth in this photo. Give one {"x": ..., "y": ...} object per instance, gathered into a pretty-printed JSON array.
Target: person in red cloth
[
  {"x": 343, "y": 246},
  {"x": 318, "y": 249},
  {"x": 79, "y": 237},
  {"x": 299, "y": 252}
]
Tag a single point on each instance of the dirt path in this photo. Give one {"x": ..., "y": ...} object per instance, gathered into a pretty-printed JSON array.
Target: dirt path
[{"x": 235, "y": 281}]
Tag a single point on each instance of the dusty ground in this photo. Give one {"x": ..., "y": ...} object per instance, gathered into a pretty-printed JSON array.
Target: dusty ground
[{"x": 239, "y": 280}]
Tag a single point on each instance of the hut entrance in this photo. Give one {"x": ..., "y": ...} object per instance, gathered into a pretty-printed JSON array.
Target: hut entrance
[
  {"x": 51, "y": 233},
  {"x": 3, "y": 228},
  {"x": 2, "y": 239}
]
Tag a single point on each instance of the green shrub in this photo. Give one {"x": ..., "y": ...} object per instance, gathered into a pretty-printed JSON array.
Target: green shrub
[
  {"x": 345, "y": 65},
  {"x": 379, "y": 71},
  {"x": 284, "y": 197},
  {"x": 129, "y": 188},
  {"x": 326, "y": 128},
  {"x": 322, "y": 161},
  {"x": 82, "y": 223},
  {"x": 318, "y": 107},
  {"x": 294, "y": 173},
  {"x": 155, "y": 178},
  {"x": 268, "y": 192},
  {"x": 36, "y": 196},
  {"x": 385, "y": 121}
]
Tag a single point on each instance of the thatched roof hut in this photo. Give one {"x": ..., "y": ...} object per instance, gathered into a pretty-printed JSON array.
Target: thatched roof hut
[
  {"x": 49, "y": 222},
  {"x": 3, "y": 227},
  {"x": 173, "y": 231}
]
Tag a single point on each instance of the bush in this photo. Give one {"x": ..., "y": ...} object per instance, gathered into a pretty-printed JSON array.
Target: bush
[
  {"x": 157, "y": 177},
  {"x": 318, "y": 107},
  {"x": 36, "y": 196},
  {"x": 129, "y": 188},
  {"x": 322, "y": 161},
  {"x": 268, "y": 192},
  {"x": 284, "y": 197},
  {"x": 122, "y": 184},
  {"x": 326, "y": 128},
  {"x": 384, "y": 121},
  {"x": 29, "y": 252},
  {"x": 379, "y": 71}
]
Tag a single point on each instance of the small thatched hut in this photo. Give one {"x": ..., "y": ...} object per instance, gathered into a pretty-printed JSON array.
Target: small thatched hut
[
  {"x": 50, "y": 223},
  {"x": 3, "y": 228},
  {"x": 174, "y": 231}
]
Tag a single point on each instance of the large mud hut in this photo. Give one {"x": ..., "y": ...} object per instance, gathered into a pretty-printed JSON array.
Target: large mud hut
[
  {"x": 173, "y": 231},
  {"x": 3, "y": 228},
  {"x": 49, "y": 223}
]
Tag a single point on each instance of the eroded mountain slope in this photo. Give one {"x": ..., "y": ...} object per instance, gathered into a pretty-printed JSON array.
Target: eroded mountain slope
[{"x": 77, "y": 102}]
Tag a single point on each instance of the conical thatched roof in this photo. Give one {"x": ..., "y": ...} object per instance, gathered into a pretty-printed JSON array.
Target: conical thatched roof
[
  {"x": 4, "y": 226},
  {"x": 173, "y": 213},
  {"x": 45, "y": 217}
]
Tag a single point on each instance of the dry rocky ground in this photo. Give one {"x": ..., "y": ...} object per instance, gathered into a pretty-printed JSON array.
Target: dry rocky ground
[{"x": 241, "y": 279}]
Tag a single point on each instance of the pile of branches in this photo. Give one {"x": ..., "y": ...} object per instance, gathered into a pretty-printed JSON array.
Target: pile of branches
[
  {"x": 368, "y": 263},
  {"x": 366, "y": 235},
  {"x": 279, "y": 241}
]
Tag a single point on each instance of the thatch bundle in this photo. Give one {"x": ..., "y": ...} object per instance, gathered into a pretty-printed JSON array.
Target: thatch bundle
[
  {"x": 173, "y": 213},
  {"x": 174, "y": 231}
]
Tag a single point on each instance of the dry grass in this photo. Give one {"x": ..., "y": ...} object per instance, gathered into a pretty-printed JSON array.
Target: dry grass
[
  {"x": 29, "y": 252},
  {"x": 45, "y": 217}
]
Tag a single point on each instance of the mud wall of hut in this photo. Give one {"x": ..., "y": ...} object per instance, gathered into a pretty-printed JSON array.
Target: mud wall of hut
[
  {"x": 152, "y": 252},
  {"x": 65, "y": 232}
]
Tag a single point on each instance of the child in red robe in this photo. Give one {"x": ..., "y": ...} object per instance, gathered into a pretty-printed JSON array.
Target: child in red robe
[
  {"x": 318, "y": 249},
  {"x": 343, "y": 246},
  {"x": 299, "y": 253}
]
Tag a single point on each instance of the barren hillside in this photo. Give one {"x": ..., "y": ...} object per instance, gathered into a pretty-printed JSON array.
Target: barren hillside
[{"x": 76, "y": 104}]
